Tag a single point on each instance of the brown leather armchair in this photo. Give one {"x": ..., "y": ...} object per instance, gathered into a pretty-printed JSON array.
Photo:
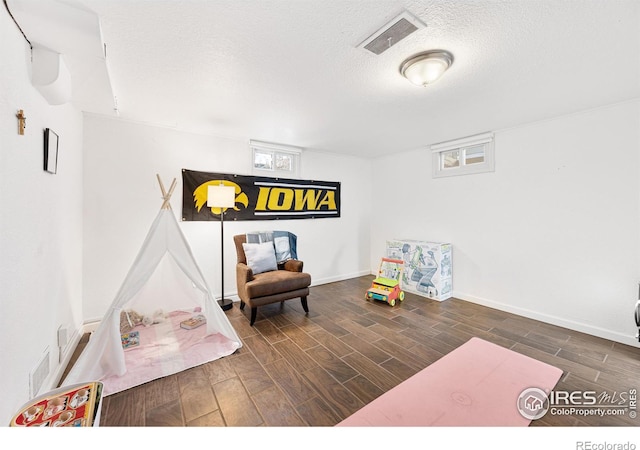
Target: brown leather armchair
[{"x": 288, "y": 282}]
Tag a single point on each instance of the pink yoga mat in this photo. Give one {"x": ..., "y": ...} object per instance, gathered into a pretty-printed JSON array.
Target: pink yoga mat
[{"x": 477, "y": 384}]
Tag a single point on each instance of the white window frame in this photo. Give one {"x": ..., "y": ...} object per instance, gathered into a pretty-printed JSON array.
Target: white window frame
[
  {"x": 295, "y": 153},
  {"x": 439, "y": 150}
]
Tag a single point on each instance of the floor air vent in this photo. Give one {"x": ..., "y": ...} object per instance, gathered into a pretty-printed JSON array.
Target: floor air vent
[
  {"x": 39, "y": 374},
  {"x": 391, "y": 33}
]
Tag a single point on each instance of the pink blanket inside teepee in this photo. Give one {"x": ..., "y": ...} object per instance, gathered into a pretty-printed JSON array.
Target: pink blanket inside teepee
[{"x": 166, "y": 349}]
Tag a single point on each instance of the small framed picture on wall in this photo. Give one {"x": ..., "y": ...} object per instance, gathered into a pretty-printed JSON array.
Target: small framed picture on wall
[{"x": 50, "y": 151}]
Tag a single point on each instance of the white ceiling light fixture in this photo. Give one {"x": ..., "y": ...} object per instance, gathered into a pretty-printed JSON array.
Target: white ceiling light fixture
[{"x": 426, "y": 67}]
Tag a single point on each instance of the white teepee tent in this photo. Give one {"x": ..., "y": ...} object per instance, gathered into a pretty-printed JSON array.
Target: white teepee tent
[{"x": 164, "y": 276}]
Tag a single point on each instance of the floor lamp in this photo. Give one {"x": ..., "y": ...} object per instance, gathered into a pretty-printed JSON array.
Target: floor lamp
[{"x": 222, "y": 197}]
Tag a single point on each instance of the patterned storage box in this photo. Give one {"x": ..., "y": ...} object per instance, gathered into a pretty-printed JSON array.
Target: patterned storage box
[{"x": 427, "y": 267}]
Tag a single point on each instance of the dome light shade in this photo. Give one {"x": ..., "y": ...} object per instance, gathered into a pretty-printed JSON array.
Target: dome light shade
[{"x": 425, "y": 68}]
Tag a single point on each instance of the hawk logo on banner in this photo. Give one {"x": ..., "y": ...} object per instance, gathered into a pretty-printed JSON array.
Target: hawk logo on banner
[
  {"x": 201, "y": 192},
  {"x": 259, "y": 198}
]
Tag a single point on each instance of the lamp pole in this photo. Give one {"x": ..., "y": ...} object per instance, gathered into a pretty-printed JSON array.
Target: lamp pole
[
  {"x": 224, "y": 303},
  {"x": 223, "y": 197}
]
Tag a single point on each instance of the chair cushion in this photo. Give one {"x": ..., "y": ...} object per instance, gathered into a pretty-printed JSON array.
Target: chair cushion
[
  {"x": 260, "y": 257},
  {"x": 276, "y": 282}
]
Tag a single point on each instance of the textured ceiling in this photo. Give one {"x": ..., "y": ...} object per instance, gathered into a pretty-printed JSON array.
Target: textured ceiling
[{"x": 290, "y": 71}]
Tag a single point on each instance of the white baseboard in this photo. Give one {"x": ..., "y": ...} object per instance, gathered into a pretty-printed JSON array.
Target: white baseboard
[
  {"x": 630, "y": 340},
  {"x": 553, "y": 320},
  {"x": 340, "y": 278},
  {"x": 234, "y": 295},
  {"x": 68, "y": 354},
  {"x": 90, "y": 327}
]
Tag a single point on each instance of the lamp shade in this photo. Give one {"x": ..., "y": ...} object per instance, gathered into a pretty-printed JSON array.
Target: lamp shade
[
  {"x": 221, "y": 196},
  {"x": 425, "y": 68}
]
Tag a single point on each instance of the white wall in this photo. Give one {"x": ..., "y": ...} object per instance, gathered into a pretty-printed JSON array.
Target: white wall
[
  {"x": 40, "y": 226},
  {"x": 552, "y": 234},
  {"x": 122, "y": 197}
]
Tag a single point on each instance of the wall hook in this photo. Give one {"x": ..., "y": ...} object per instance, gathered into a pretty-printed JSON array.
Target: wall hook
[{"x": 22, "y": 122}]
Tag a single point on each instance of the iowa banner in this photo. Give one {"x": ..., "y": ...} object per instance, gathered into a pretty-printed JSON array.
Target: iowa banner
[{"x": 259, "y": 198}]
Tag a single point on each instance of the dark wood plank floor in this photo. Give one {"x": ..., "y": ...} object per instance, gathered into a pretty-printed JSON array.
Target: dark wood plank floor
[{"x": 315, "y": 370}]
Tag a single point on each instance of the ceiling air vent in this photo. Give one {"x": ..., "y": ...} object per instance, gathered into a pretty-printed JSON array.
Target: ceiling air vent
[{"x": 391, "y": 33}]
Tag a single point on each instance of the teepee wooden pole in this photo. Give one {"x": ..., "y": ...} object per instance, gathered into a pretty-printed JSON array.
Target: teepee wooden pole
[
  {"x": 166, "y": 195},
  {"x": 170, "y": 193},
  {"x": 164, "y": 192}
]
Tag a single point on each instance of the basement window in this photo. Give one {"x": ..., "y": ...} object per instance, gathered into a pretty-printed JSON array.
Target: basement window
[
  {"x": 473, "y": 154},
  {"x": 275, "y": 160}
]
